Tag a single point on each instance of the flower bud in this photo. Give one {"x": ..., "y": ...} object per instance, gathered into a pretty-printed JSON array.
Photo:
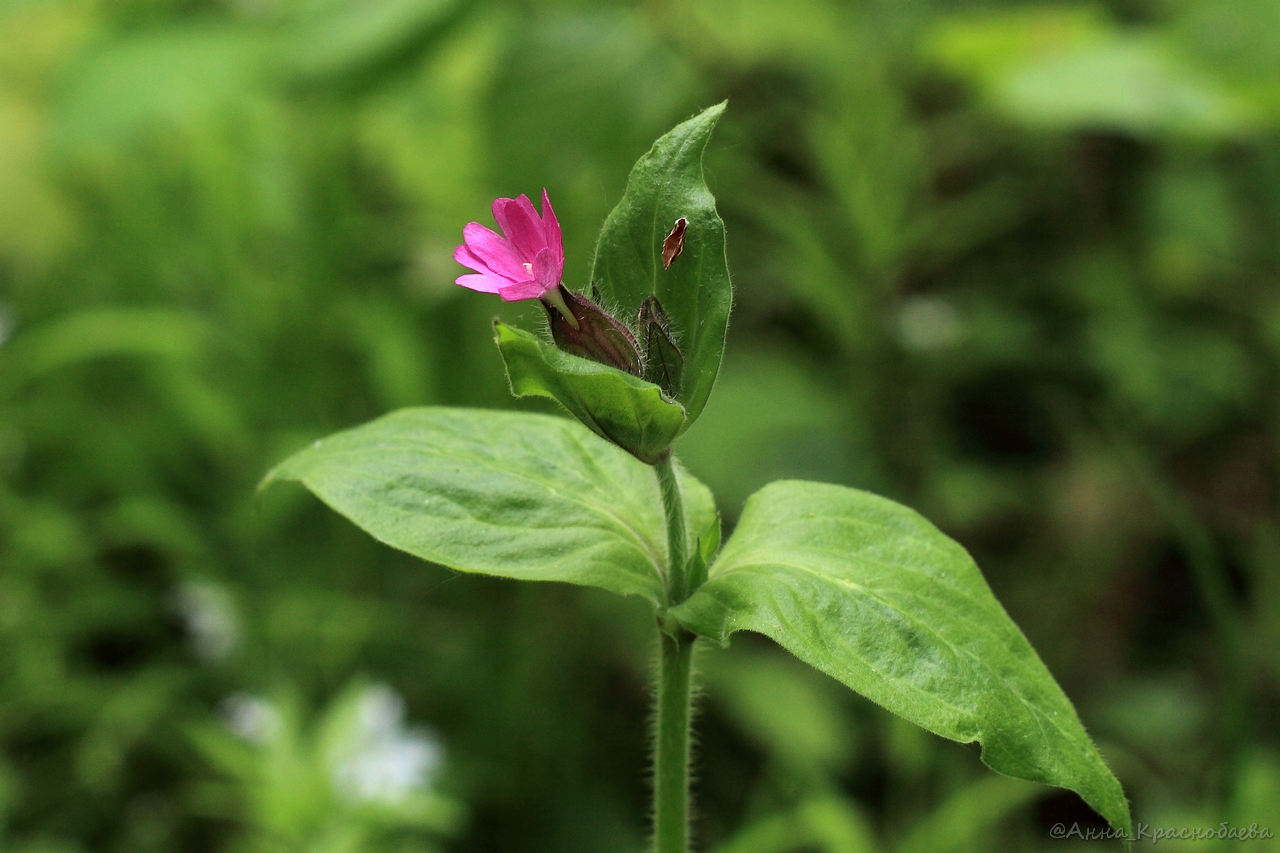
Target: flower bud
[
  {"x": 664, "y": 363},
  {"x": 581, "y": 327}
]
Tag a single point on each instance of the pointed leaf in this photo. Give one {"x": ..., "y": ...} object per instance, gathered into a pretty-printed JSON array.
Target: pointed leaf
[
  {"x": 665, "y": 186},
  {"x": 617, "y": 406},
  {"x": 874, "y": 595},
  {"x": 524, "y": 496}
]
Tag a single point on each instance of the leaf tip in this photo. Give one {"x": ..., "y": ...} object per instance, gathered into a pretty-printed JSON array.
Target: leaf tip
[{"x": 282, "y": 471}]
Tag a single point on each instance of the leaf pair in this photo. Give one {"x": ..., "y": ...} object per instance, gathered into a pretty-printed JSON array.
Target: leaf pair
[
  {"x": 678, "y": 288},
  {"x": 857, "y": 586}
]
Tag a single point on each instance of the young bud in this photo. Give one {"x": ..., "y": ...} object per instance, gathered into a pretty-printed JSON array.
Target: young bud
[
  {"x": 581, "y": 327},
  {"x": 664, "y": 363}
]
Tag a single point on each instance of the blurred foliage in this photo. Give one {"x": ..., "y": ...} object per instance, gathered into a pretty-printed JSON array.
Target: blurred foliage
[{"x": 1014, "y": 264}]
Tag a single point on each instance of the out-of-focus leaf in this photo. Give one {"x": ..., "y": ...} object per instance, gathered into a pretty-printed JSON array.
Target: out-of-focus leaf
[
  {"x": 1259, "y": 783},
  {"x": 966, "y": 818},
  {"x": 37, "y": 37},
  {"x": 173, "y": 76},
  {"x": 1180, "y": 375},
  {"x": 1193, "y": 229},
  {"x": 872, "y": 158},
  {"x": 36, "y": 221},
  {"x": 770, "y": 408},
  {"x": 1133, "y": 84},
  {"x": 1240, "y": 41},
  {"x": 579, "y": 137},
  {"x": 986, "y": 45},
  {"x": 667, "y": 184},
  {"x": 102, "y": 333},
  {"x": 348, "y": 36},
  {"x": 523, "y": 496},
  {"x": 795, "y": 714},
  {"x": 1071, "y": 70},
  {"x": 874, "y": 595},
  {"x": 823, "y": 823},
  {"x": 761, "y": 31},
  {"x": 617, "y": 406}
]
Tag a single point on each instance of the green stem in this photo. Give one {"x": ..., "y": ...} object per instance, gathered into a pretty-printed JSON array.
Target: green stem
[
  {"x": 671, "y": 728},
  {"x": 677, "y": 577},
  {"x": 671, "y": 775}
]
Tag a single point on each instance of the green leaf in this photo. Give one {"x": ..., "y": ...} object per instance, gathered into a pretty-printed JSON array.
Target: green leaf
[
  {"x": 96, "y": 333},
  {"x": 340, "y": 40},
  {"x": 523, "y": 496},
  {"x": 665, "y": 185},
  {"x": 874, "y": 595},
  {"x": 617, "y": 406},
  {"x": 1041, "y": 66},
  {"x": 112, "y": 91}
]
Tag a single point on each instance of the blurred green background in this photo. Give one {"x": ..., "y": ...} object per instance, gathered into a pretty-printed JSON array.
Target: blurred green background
[{"x": 1014, "y": 264}]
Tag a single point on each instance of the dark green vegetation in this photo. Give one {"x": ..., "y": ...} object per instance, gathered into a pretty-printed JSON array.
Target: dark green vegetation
[{"x": 1019, "y": 269}]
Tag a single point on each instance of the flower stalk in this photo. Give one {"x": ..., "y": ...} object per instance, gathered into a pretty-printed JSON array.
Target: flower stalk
[
  {"x": 675, "y": 679},
  {"x": 671, "y": 753}
]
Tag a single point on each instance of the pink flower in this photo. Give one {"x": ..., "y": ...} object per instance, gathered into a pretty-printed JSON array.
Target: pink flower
[{"x": 527, "y": 263}]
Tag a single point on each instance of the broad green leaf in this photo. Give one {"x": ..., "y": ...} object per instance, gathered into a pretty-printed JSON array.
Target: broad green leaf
[
  {"x": 617, "y": 406},
  {"x": 874, "y": 595},
  {"x": 665, "y": 185},
  {"x": 523, "y": 496}
]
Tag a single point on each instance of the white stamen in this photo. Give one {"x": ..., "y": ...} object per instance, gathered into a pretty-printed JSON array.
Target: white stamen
[{"x": 529, "y": 269}]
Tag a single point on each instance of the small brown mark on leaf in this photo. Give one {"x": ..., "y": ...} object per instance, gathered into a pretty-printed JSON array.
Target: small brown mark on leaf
[{"x": 674, "y": 244}]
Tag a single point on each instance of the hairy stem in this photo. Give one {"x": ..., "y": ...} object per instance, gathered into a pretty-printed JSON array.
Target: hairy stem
[
  {"x": 671, "y": 775},
  {"x": 671, "y": 727},
  {"x": 677, "y": 577}
]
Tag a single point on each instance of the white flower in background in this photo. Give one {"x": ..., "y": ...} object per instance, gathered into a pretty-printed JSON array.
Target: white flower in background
[
  {"x": 362, "y": 742},
  {"x": 381, "y": 760},
  {"x": 928, "y": 322},
  {"x": 209, "y": 616},
  {"x": 251, "y": 717}
]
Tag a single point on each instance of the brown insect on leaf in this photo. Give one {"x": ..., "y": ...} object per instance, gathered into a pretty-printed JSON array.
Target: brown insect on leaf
[{"x": 674, "y": 244}]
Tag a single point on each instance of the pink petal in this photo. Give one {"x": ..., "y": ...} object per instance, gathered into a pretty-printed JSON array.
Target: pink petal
[
  {"x": 547, "y": 269},
  {"x": 522, "y": 290},
  {"x": 521, "y": 224},
  {"x": 551, "y": 228},
  {"x": 482, "y": 283},
  {"x": 495, "y": 253},
  {"x": 467, "y": 258}
]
